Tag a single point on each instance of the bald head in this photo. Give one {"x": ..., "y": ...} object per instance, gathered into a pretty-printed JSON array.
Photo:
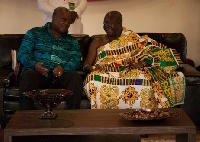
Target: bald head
[
  {"x": 114, "y": 16},
  {"x": 60, "y": 10}
]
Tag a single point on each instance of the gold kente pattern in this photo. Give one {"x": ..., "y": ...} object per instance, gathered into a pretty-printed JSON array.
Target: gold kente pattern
[
  {"x": 121, "y": 85},
  {"x": 108, "y": 97},
  {"x": 129, "y": 95}
]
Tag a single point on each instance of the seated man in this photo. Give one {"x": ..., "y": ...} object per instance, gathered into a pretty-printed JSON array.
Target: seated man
[
  {"x": 129, "y": 71},
  {"x": 49, "y": 58}
]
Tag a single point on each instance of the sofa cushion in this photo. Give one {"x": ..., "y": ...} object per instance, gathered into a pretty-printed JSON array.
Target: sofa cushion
[{"x": 192, "y": 76}]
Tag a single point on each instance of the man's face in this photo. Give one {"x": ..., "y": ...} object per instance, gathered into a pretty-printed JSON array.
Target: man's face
[
  {"x": 110, "y": 26},
  {"x": 61, "y": 22}
]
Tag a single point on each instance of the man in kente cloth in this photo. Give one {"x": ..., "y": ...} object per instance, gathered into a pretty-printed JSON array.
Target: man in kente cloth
[{"x": 128, "y": 71}]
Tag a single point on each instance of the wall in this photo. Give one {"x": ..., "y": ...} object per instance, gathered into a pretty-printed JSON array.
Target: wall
[{"x": 17, "y": 16}]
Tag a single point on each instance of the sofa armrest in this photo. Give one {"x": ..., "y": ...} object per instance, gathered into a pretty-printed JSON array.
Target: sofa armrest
[
  {"x": 192, "y": 75},
  {"x": 6, "y": 77}
]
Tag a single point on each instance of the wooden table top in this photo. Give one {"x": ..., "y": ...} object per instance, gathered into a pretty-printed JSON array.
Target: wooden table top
[{"x": 91, "y": 122}]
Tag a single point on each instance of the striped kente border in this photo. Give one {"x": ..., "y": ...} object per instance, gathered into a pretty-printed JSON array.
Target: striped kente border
[
  {"x": 117, "y": 81},
  {"x": 117, "y": 52}
]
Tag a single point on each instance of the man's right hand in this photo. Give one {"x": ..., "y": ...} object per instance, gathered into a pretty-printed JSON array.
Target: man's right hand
[{"x": 40, "y": 69}]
